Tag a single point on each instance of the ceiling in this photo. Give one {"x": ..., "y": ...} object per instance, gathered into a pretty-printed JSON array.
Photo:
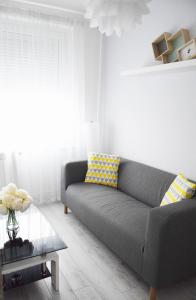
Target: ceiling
[{"x": 77, "y": 5}]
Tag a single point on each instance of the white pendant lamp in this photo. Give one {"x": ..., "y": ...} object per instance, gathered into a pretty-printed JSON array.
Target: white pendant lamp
[{"x": 115, "y": 16}]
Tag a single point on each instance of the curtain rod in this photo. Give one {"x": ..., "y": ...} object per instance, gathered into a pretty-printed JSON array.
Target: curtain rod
[{"x": 49, "y": 6}]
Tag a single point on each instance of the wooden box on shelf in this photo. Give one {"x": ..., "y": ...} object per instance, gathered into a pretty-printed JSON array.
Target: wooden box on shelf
[
  {"x": 176, "y": 41},
  {"x": 187, "y": 51},
  {"x": 161, "y": 46}
]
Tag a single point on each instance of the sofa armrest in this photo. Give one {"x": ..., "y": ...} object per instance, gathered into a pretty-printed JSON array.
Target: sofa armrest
[
  {"x": 170, "y": 243},
  {"x": 72, "y": 172}
]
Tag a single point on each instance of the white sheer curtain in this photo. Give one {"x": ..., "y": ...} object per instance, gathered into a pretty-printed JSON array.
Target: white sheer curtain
[{"x": 42, "y": 74}]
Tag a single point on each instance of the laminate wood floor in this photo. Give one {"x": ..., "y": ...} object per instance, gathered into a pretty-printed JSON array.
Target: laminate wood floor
[{"x": 90, "y": 271}]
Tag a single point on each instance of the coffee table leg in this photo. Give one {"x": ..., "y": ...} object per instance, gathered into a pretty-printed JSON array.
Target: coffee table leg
[
  {"x": 55, "y": 271},
  {"x": 1, "y": 285}
]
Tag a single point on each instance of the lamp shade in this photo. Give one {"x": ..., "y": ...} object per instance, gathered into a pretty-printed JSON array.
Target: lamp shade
[{"x": 115, "y": 16}]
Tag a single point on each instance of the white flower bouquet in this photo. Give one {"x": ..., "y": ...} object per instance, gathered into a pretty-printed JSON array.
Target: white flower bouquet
[{"x": 13, "y": 199}]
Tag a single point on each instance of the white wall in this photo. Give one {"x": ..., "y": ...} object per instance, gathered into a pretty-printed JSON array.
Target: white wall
[
  {"x": 92, "y": 56},
  {"x": 150, "y": 119},
  {"x": 92, "y": 89}
]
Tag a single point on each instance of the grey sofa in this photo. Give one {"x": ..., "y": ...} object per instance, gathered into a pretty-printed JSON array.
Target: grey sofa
[{"x": 159, "y": 243}]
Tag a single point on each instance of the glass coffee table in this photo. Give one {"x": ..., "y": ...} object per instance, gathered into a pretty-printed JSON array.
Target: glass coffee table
[{"x": 23, "y": 255}]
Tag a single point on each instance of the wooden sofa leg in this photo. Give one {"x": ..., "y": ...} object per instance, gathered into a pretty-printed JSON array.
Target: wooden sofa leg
[
  {"x": 65, "y": 209},
  {"x": 153, "y": 293}
]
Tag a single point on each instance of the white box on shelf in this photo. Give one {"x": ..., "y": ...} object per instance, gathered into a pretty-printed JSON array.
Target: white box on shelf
[{"x": 187, "y": 51}]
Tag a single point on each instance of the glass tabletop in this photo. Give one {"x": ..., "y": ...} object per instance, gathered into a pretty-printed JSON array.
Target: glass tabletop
[{"x": 35, "y": 237}]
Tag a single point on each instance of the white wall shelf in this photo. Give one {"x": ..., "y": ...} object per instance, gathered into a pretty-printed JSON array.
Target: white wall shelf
[{"x": 180, "y": 66}]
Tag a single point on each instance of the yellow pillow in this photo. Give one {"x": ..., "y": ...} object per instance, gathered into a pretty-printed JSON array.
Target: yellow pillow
[
  {"x": 181, "y": 188},
  {"x": 103, "y": 169}
]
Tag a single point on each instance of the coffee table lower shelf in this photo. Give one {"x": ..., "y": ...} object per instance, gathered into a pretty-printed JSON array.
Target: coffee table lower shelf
[
  {"x": 24, "y": 276},
  {"x": 31, "y": 270}
]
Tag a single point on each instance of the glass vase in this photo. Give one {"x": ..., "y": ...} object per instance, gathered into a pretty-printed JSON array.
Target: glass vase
[{"x": 12, "y": 223}]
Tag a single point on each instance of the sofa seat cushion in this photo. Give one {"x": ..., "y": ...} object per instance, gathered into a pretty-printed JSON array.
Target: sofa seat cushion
[{"x": 115, "y": 218}]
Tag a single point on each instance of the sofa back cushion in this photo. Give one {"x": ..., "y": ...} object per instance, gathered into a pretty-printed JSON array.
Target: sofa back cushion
[{"x": 143, "y": 182}]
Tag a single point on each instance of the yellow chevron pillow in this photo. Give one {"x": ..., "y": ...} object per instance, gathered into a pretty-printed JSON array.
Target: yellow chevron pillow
[
  {"x": 103, "y": 169},
  {"x": 181, "y": 188}
]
